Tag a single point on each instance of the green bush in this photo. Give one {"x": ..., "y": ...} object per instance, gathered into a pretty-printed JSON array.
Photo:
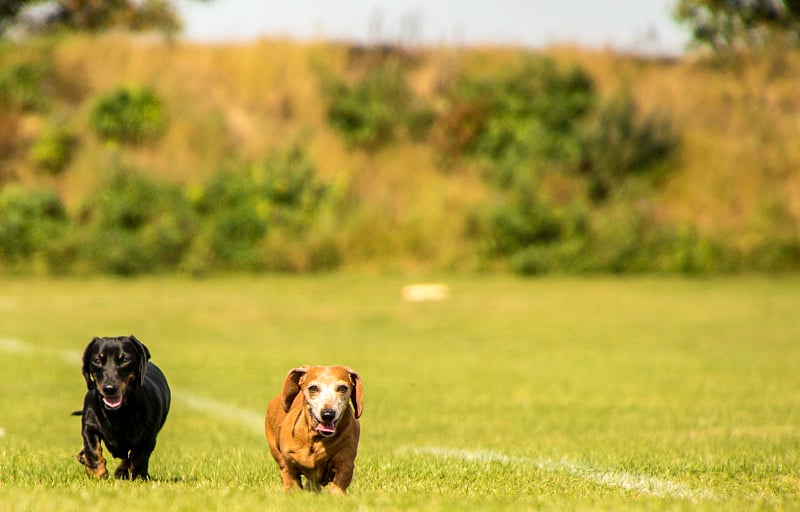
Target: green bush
[
  {"x": 234, "y": 219},
  {"x": 633, "y": 242},
  {"x": 262, "y": 216},
  {"x": 133, "y": 225},
  {"x": 528, "y": 114},
  {"x": 288, "y": 181},
  {"x": 372, "y": 112},
  {"x": 521, "y": 221},
  {"x": 563, "y": 256},
  {"x": 30, "y": 221},
  {"x": 53, "y": 151},
  {"x": 535, "y": 111},
  {"x": 620, "y": 143},
  {"x": 535, "y": 237},
  {"x": 129, "y": 115},
  {"x": 776, "y": 255},
  {"x": 26, "y": 86}
]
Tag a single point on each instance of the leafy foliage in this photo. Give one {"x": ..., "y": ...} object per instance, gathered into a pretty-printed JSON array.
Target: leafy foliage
[
  {"x": 131, "y": 115},
  {"x": 620, "y": 142},
  {"x": 25, "y": 86},
  {"x": 371, "y": 112},
  {"x": 91, "y": 15},
  {"x": 29, "y": 222},
  {"x": 53, "y": 151},
  {"x": 247, "y": 210},
  {"x": 133, "y": 225},
  {"x": 530, "y": 112},
  {"x": 518, "y": 222},
  {"x": 730, "y": 25}
]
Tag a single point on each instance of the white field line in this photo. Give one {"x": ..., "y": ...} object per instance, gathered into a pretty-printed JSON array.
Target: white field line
[
  {"x": 621, "y": 479},
  {"x": 216, "y": 408},
  {"x": 221, "y": 410},
  {"x": 13, "y": 346}
]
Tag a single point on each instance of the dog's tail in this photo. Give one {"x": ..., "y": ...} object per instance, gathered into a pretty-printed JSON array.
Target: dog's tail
[{"x": 77, "y": 413}]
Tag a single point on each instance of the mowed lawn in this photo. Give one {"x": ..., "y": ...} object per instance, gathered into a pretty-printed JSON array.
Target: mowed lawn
[{"x": 558, "y": 393}]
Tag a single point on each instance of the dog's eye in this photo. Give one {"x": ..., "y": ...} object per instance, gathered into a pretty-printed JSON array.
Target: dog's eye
[
  {"x": 313, "y": 388},
  {"x": 342, "y": 388},
  {"x": 97, "y": 361}
]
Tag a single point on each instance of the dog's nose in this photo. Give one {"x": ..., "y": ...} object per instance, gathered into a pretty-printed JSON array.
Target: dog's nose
[
  {"x": 327, "y": 414},
  {"x": 110, "y": 390}
]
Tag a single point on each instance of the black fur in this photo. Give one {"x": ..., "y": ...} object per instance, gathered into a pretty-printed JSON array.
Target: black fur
[{"x": 125, "y": 406}]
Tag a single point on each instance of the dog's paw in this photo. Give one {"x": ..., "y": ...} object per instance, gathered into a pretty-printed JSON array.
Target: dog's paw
[
  {"x": 98, "y": 472},
  {"x": 337, "y": 491}
]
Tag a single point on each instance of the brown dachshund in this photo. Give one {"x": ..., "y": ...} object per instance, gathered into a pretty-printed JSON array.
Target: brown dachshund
[{"x": 311, "y": 429}]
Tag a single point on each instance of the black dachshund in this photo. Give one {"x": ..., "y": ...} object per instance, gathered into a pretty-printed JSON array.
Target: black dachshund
[{"x": 125, "y": 407}]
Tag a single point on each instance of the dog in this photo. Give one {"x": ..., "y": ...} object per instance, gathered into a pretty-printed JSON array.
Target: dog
[
  {"x": 311, "y": 429},
  {"x": 126, "y": 405}
]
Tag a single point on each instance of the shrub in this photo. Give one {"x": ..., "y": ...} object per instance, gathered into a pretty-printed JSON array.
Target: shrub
[
  {"x": 530, "y": 112},
  {"x": 568, "y": 256},
  {"x": 262, "y": 216},
  {"x": 620, "y": 143},
  {"x": 633, "y": 242},
  {"x": 455, "y": 130},
  {"x": 26, "y": 86},
  {"x": 776, "y": 255},
  {"x": 288, "y": 181},
  {"x": 523, "y": 222},
  {"x": 233, "y": 221},
  {"x": 29, "y": 222},
  {"x": 130, "y": 115},
  {"x": 53, "y": 151},
  {"x": 133, "y": 225},
  {"x": 371, "y": 112}
]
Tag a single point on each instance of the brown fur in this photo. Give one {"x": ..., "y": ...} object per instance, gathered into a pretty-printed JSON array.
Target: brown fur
[{"x": 294, "y": 439}]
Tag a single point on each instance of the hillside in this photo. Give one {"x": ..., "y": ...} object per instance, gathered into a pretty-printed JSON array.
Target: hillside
[{"x": 734, "y": 180}]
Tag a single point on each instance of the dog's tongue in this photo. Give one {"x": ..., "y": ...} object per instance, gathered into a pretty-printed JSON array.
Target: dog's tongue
[
  {"x": 113, "y": 402},
  {"x": 326, "y": 428}
]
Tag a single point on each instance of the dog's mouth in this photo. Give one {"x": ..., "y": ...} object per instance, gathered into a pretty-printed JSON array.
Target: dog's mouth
[
  {"x": 112, "y": 402},
  {"x": 326, "y": 429}
]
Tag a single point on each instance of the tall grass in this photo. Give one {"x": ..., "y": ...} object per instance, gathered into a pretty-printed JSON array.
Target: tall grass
[{"x": 733, "y": 182}]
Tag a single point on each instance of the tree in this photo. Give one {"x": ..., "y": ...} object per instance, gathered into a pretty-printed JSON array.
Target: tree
[
  {"x": 732, "y": 25},
  {"x": 9, "y": 10},
  {"x": 88, "y": 15}
]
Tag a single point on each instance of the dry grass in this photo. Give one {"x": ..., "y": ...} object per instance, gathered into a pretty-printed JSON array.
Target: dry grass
[{"x": 739, "y": 168}]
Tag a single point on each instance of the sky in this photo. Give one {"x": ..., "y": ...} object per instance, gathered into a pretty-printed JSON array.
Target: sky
[{"x": 643, "y": 26}]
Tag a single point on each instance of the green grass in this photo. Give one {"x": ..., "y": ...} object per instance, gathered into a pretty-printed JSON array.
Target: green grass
[{"x": 616, "y": 394}]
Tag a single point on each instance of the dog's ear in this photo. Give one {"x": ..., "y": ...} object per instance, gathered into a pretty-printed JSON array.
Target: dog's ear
[
  {"x": 357, "y": 396},
  {"x": 86, "y": 367},
  {"x": 144, "y": 355},
  {"x": 291, "y": 385}
]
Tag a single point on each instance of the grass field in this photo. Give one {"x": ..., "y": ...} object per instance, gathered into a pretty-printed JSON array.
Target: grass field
[{"x": 573, "y": 394}]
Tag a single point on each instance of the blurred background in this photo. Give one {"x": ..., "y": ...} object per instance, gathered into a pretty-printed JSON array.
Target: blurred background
[{"x": 203, "y": 137}]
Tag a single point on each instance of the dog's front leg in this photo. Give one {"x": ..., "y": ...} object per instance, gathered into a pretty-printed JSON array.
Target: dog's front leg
[
  {"x": 291, "y": 478},
  {"x": 140, "y": 460},
  {"x": 342, "y": 477},
  {"x": 123, "y": 470},
  {"x": 92, "y": 456}
]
